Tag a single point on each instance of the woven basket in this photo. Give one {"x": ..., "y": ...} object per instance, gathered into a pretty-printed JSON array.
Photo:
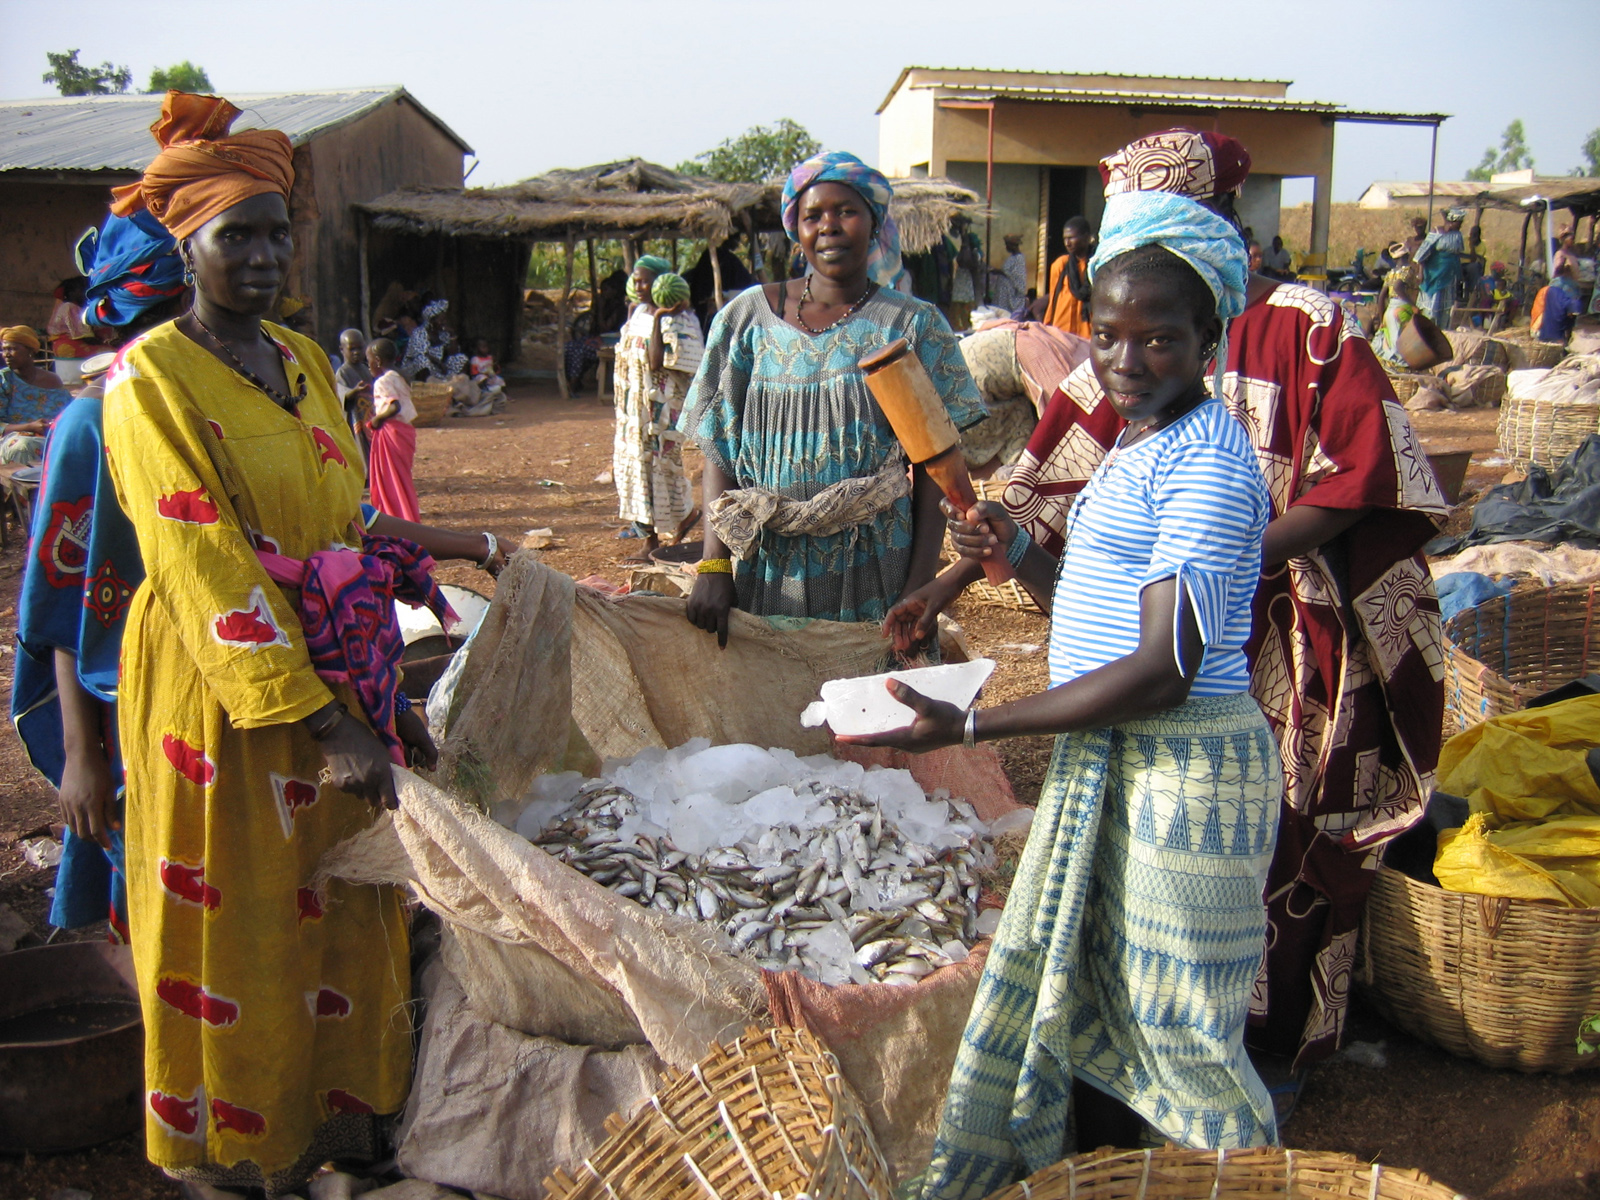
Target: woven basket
[
  {"x": 1526, "y": 351},
  {"x": 1009, "y": 594},
  {"x": 1505, "y": 982},
  {"x": 432, "y": 401},
  {"x": 1490, "y": 391},
  {"x": 1537, "y": 431},
  {"x": 1503, "y": 652},
  {"x": 1474, "y": 349},
  {"x": 1223, "y": 1175},
  {"x": 768, "y": 1114},
  {"x": 1406, "y": 383}
]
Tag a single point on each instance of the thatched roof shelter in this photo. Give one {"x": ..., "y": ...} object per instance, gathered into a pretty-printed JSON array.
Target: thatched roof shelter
[
  {"x": 635, "y": 198},
  {"x": 629, "y": 200}
]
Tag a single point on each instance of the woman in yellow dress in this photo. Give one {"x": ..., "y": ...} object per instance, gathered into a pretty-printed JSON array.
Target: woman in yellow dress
[{"x": 277, "y": 1034}]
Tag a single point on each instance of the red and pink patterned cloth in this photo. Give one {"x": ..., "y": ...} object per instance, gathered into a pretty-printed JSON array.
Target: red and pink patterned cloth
[{"x": 347, "y": 612}]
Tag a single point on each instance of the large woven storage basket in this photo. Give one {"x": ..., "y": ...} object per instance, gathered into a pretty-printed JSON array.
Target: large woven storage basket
[
  {"x": 1503, "y": 652},
  {"x": 1538, "y": 431},
  {"x": 1523, "y": 350},
  {"x": 432, "y": 401},
  {"x": 1505, "y": 982},
  {"x": 1406, "y": 383},
  {"x": 1009, "y": 594},
  {"x": 769, "y": 1114},
  {"x": 1223, "y": 1175}
]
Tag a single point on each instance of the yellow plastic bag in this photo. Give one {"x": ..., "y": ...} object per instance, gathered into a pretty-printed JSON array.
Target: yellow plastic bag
[
  {"x": 1469, "y": 860},
  {"x": 1527, "y": 765}
]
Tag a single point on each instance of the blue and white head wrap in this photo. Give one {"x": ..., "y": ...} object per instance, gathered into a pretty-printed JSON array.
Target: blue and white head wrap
[
  {"x": 1206, "y": 241},
  {"x": 838, "y": 166}
]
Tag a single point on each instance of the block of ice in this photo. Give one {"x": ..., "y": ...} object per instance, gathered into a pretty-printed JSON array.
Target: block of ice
[
  {"x": 829, "y": 948},
  {"x": 547, "y": 799},
  {"x": 988, "y": 922},
  {"x": 954, "y": 951},
  {"x": 703, "y": 822},
  {"x": 772, "y": 807},
  {"x": 859, "y": 706},
  {"x": 731, "y": 773},
  {"x": 1019, "y": 820}
]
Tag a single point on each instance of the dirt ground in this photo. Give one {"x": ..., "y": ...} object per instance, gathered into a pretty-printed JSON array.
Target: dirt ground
[{"x": 1493, "y": 1135}]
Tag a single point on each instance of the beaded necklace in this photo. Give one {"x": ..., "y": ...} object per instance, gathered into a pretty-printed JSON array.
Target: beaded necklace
[
  {"x": 286, "y": 402},
  {"x": 805, "y": 295}
]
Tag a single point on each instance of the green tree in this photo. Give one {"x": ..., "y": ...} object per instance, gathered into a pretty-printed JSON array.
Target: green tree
[
  {"x": 184, "y": 76},
  {"x": 1591, "y": 155},
  {"x": 760, "y": 153},
  {"x": 73, "y": 78},
  {"x": 1512, "y": 156}
]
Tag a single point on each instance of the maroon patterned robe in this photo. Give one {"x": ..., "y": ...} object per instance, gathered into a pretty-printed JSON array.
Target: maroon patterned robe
[{"x": 1346, "y": 655}]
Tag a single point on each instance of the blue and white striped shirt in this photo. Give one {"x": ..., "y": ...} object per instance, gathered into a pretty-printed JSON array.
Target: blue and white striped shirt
[{"x": 1187, "y": 502}]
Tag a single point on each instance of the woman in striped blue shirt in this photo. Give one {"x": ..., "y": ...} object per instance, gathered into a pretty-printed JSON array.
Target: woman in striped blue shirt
[{"x": 1116, "y": 992}]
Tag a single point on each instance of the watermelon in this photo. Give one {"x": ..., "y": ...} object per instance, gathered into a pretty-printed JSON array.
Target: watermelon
[{"x": 669, "y": 290}]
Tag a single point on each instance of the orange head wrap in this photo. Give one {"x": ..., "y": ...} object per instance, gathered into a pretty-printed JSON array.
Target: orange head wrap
[
  {"x": 22, "y": 335},
  {"x": 202, "y": 168}
]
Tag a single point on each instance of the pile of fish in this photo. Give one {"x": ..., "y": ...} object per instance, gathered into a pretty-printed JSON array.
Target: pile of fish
[{"x": 809, "y": 864}]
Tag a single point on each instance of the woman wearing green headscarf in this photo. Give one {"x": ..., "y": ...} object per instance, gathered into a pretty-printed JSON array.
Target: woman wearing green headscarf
[{"x": 658, "y": 353}]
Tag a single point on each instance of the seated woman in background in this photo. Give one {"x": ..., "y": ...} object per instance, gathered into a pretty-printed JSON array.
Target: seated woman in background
[
  {"x": 810, "y": 510},
  {"x": 30, "y": 396},
  {"x": 394, "y": 438},
  {"x": 1118, "y": 984}
]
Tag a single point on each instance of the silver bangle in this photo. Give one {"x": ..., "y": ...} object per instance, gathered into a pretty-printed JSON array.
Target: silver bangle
[
  {"x": 494, "y": 548},
  {"x": 969, "y": 735}
]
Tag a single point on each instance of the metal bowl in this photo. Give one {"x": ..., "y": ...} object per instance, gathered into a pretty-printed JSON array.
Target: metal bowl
[{"x": 71, "y": 1048}]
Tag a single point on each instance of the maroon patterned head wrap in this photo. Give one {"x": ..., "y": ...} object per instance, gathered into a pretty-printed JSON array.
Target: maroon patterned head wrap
[{"x": 1202, "y": 166}]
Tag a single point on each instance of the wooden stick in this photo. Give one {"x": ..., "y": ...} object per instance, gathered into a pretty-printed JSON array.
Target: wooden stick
[
  {"x": 561, "y": 323},
  {"x": 366, "y": 276},
  {"x": 917, "y": 414},
  {"x": 594, "y": 288},
  {"x": 716, "y": 275}
]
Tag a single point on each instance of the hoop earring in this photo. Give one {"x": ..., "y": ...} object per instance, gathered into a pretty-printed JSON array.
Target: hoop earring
[{"x": 188, "y": 273}]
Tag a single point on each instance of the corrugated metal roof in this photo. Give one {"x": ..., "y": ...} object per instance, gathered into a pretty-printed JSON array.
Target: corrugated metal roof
[
  {"x": 112, "y": 133},
  {"x": 1146, "y": 99}
]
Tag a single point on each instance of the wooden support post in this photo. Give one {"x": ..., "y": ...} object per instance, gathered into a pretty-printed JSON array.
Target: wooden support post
[
  {"x": 594, "y": 290},
  {"x": 366, "y": 276},
  {"x": 716, "y": 275},
  {"x": 674, "y": 254},
  {"x": 561, "y": 323},
  {"x": 750, "y": 242}
]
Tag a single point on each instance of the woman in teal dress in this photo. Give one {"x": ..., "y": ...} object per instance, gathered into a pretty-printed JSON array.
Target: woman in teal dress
[{"x": 810, "y": 509}]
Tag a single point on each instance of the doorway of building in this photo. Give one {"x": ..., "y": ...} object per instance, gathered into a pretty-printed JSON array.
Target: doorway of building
[{"x": 1065, "y": 199}]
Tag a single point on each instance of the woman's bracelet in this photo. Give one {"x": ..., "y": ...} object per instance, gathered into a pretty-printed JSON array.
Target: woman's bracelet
[
  {"x": 402, "y": 703},
  {"x": 969, "y": 734},
  {"x": 326, "y": 727},
  {"x": 1018, "y": 549},
  {"x": 715, "y": 566},
  {"x": 493, "y": 543}
]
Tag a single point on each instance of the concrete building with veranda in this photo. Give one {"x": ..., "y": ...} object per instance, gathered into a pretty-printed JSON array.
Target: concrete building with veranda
[{"x": 1030, "y": 141}]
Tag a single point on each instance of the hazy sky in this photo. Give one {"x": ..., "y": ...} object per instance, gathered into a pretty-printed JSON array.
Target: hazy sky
[{"x": 533, "y": 85}]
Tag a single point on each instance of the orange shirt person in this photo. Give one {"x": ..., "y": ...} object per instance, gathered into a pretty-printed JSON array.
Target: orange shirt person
[{"x": 1068, "y": 306}]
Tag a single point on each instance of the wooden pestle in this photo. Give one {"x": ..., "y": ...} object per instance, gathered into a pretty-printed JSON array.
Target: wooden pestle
[{"x": 920, "y": 420}]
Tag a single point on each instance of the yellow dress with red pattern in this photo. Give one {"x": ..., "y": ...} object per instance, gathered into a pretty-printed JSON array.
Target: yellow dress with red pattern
[{"x": 277, "y": 1032}]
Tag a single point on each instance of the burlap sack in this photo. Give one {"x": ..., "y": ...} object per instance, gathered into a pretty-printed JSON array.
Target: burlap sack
[{"x": 540, "y": 949}]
